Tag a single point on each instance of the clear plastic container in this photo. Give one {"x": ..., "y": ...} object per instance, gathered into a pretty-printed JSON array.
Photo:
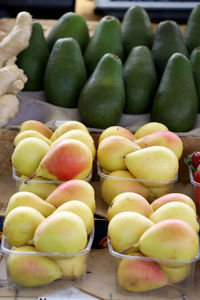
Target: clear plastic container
[
  {"x": 40, "y": 187},
  {"x": 177, "y": 281},
  {"x": 195, "y": 191},
  {"x": 111, "y": 186},
  {"x": 73, "y": 266}
]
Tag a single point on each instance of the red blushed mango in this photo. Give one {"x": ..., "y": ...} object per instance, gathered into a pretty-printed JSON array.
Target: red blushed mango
[
  {"x": 172, "y": 239},
  {"x": 67, "y": 126},
  {"x": 36, "y": 125},
  {"x": 137, "y": 275},
  {"x": 122, "y": 182},
  {"x": 117, "y": 130},
  {"x": 66, "y": 160},
  {"x": 111, "y": 151},
  {"x": 167, "y": 139},
  {"x": 74, "y": 189},
  {"x": 172, "y": 197}
]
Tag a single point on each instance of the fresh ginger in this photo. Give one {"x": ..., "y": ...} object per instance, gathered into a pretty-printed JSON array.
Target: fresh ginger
[
  {"x": 9, "y": 107},
  {"x": 8, "y": 76},
  {"x": 12, "y": 78},
  {"x": 17, "y": 39}
]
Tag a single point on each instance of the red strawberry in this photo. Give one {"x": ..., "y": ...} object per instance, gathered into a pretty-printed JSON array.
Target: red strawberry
[
  {"x": 196, "y": 159},
  {"x": 197, "y": 174},
  {"x": 193, "y": 160}
]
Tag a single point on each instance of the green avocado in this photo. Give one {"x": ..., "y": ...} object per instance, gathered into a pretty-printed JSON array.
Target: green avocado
[
  {"x": 168, "y": 40},
  {"x": 176, "y": 101},
  {"x": 72, "y": 25},
  {"x": 102, "y": 99},
  {"x": 106, "y": 39},
  {"x": 65, "y": 73},
  {"x": 191, "y": 34},
  {"x": 140, "y": 79},
  {"x": 136, "y": 29},
  {"x": 195, "y": 61},
  {"x": 33, "y": 59}
]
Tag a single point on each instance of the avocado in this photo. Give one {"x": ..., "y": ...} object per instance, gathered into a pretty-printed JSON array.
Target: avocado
[
  {"x": 65, "y": 73},
  {"x": 168, "y": 40},
  {"x": 176, "y": 101},
  {"x": 102, "y": 99},
  {"x": 106, "y": 39},
  {"x": 140, "y": 79},
  {"x": 136, "y": 29},
  {"x": 191, "y": 34},
  {"x": 195, "y": 61},
  {"x": 33, "y": 59},
  {"x": 72, "y": 25}
]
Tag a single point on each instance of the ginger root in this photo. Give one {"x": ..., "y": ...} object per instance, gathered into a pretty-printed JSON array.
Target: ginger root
[
  {"x": 17, "y": 39},
  {"x": 12, "y": 78},
  {"x": 9, "y": 107},
  {"x": 8, "y": 76}
]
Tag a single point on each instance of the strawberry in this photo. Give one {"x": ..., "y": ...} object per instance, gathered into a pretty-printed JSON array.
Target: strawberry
[
  {"x": 197, "y": 174},
  {"x": 196, "y": 159},
  {"x": 193, "y": 160}
]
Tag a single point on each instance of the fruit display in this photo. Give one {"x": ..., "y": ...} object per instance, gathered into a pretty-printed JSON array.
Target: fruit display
[
  {"x": 146, "y": 163},
  {"x": 126, "y": 69},
  {"x": 49, "y": 238},
  {"x": 193, "y": 162},
  {"x": 155, "y": 244},
  {"x": 37, "y": 153},
  {"x": 121, "y": 68},
  {"x": 153, "y": 232}
]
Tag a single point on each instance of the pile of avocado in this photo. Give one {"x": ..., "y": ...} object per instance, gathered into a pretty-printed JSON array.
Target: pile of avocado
[{"x": 122, "y": 68}]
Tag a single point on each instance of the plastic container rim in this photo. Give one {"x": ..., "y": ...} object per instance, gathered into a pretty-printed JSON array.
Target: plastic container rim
[
  {"x": 149, "y": 258},
  {"x": 133, "y": 179},
  {"x": 6, "y": 250},
  {"x": 192, "y": 178},
  {"x": 26, "y": 180}
]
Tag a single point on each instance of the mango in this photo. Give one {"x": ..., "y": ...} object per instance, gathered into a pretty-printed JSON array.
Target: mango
[
  {"x": 172, "y": 197},
  {"x": 31, "y": 200},
  {"x": 123, "y": 181},
  {"x": 66, "y": 160},
  {"x": 20, "y": 224},
  {"x": 126, "y": 228},
  {"x": 66, "y": 126},
  {"x": 148, "y": 128},
  {"x": 153, "y": 164},
  {"x": 129, "y": 201},
  {"x": 137, "y": 275},
  {"x": 111, "y": 151},
  {"x": 167, "y": 139},
  {"x": 27, "y": 155},
  {"x": 172, "y": 239},
  {"x": 36, "y": 125},
  {"x": 32, "y": 270},
  {"x": 74, "y": 189},
  {"x": 116, "y": 130},
  {"x": 62, "y": 232}
]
